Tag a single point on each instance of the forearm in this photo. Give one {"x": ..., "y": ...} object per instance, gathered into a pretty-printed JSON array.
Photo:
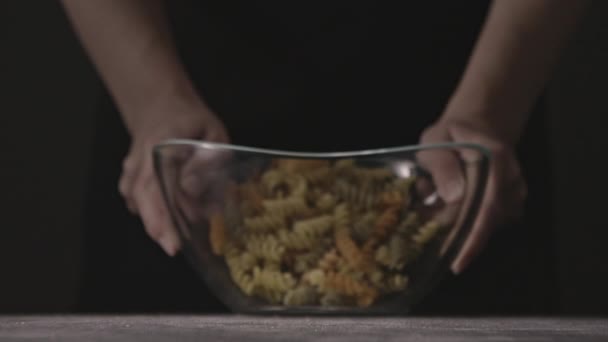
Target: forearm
[
  {"x": 512, "y": 61},
  {"x": 130, "y": 44}
]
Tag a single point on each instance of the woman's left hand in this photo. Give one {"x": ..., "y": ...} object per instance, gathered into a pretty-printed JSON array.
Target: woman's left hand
[{"x": 505, "y": 192}]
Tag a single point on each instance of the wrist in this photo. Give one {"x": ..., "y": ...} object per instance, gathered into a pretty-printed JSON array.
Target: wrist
[
  {"x": 168, "y": 101},
  {"x": 488, "y": 114}
]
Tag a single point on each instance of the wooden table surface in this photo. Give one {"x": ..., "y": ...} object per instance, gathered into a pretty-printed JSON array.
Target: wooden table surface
[{"x": 294, "y": 329}]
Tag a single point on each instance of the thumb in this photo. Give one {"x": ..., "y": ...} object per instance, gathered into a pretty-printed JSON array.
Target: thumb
[
  {"x": 202, "y": 170},
  {"x": 443, "y": 164}
]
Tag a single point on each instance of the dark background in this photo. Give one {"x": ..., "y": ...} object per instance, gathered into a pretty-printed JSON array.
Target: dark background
[{"x": 48, "y": 94}]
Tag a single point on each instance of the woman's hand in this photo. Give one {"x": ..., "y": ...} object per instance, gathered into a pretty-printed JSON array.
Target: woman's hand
[
  {"x": 514, "y": 56},
  {"x": 138, "y": 184},
  {"x": 506, "y": 189},
  {"x": 138, "y": 61}
]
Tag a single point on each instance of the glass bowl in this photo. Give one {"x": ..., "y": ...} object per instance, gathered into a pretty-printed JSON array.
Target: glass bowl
[{"x": 277, "y": 232}]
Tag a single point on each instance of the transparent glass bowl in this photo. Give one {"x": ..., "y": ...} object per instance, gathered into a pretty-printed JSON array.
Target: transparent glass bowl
[{"x": 360, "y": 232}]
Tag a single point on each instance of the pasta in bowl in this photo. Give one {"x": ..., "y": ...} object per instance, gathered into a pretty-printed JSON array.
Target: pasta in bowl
[{"x": 361, "y": 232}]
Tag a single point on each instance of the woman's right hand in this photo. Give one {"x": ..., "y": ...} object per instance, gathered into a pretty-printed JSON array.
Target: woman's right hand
[
  {"x": 184, "y": 119},
  {"x": 138, "y": 61}
]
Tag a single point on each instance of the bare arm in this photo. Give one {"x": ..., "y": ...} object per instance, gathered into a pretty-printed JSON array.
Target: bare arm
[
  {"x": 130, "y": 43},
  {"x": 510, "y": 65},
  {"x": 512, "y": 61},
  {"x": 131, "y": 46}
]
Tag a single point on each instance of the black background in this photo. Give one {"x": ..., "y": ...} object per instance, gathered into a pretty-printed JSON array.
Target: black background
[{"x": 49, "y": 92}]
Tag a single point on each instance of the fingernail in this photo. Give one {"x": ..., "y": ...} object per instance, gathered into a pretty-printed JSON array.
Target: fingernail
[
  {"x": 167, "y": 243},
  {"x": 457, "y": 268},
  {"x": 453, "y": 191}
]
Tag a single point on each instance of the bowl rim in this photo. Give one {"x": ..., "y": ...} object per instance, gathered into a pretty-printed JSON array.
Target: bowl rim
[{"x": 484, "y": 151}]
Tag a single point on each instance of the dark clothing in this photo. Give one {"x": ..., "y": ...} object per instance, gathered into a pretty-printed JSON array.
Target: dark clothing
[{"x": 333, "y": 75}]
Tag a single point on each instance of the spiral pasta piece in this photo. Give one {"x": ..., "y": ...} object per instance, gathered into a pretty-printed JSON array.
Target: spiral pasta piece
[
  {"x": 398, "y": 250},
  {"x": 243, "y": 280},
  {"x": 349, "y": 249},
  {"x": 346, "y": 285},
  {"x": 391, "y": 199},
  {"x": 363, "y": 226},
  {"x": 426, "y": 233},
  {"x": 240, "y": 270},
  {"x": 297, "y": 186},
  {"x": 273, "y": 280},
  {"x": 386, "y": 222},
  {"x": 345, "y": 191},
  {"x": 217, "y": 234},
  {"x": 251, "y": 196},
  {"x": 233, "y": 219},
  {"x": 265, "y": 223},
  {"x": 299, "y": 165},
  {"x": 319, "y": 176},
  {"x": 333, "y": 298},
  {"x": 247, "y": 260},
  {"x": 265, "y": 247},
  {"x": 314, "y": 227},
  {"x": 294, "y": 241},
  {"x": 409, "y": 224},
  {"x": 329, "y": 261},
  {"x": 305, "y": 261},
  {"x": 403, "y": 185},
  {"x": 287, "y": 207},
  {"x": 383, "y": 255},
  {"x": 397, "y": 282},
  {"x": 376, "y": 278},
  {"x": 301, "y": 295},
  {"x": 342, "y": 216},
  {"x": 315, "y": 277},
  {"x": 362, "y": 196},
  {"x": 326, "y": 202},
  {"x": 344, "y": 165},
  {"x": 384, "y": 225},
  {"x": 271, "y": 179},
  {"x": 231, "y": 250}
]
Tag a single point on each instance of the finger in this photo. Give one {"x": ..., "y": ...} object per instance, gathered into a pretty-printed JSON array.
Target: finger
[
  {"x": 502, "y": 201},
  {"x": 503, "y": 198},
  {"x": 455, "y": 215},
  {"x": 482, "y": 228},
  {"x": 153, "y": 211},
  {"x": 201, "y": 171},
  {"x": 197, "y": 209},
  {"x": 129, "y": 202},
  {"x": 444, "y": 166},
  {"x": 127, "y": 180},
  {"x": 217, "y": 134}
]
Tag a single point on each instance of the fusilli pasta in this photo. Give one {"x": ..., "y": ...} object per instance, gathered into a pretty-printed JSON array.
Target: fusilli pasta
[{"x": 314, "y": 232}]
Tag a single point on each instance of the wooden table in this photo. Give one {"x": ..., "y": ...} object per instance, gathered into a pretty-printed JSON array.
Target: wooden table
[{"x": 294, "y": 329}]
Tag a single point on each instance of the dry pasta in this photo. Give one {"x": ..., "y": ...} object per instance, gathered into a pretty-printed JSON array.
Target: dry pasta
[
  {"x": 265, "y": 247},
  {"x": 265, "y": 223},
  {"x": 292, "y": 240},
  {"x": 301, "y": 295},
  {"x": 287, "y": 207},
  {"x": 363, "y": 226},
  {"x": 217, "y": 234},
  {"x": 314, "y": 232}
]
